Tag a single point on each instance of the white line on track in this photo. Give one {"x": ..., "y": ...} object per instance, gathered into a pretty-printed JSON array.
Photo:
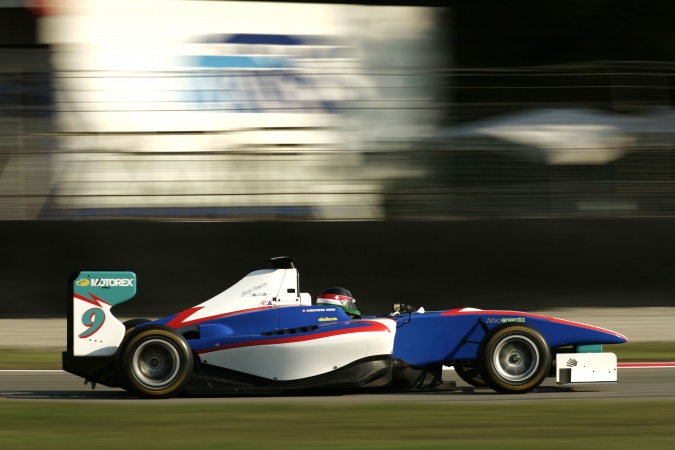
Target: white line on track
[{"x": 647, "y": 365}]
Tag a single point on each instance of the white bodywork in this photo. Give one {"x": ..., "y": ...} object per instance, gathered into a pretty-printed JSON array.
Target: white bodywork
[
  {"x": 586, "y": 368},
  {"x": 296, "y": 360},
  {"x": 267, "y": 287},
  {"x": 293, "y": 359},
  {"x": 106, "y": 339},
  {"x": 330, "y": 348}
]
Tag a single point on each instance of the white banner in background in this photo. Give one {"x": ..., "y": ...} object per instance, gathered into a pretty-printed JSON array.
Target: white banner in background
[
  {"x": 186, "y": 77},
  {"x": 130, "y": 66}
]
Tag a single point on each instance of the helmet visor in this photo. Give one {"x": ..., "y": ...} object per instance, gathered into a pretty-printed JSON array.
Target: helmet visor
[{"x": 348, "y": 304}]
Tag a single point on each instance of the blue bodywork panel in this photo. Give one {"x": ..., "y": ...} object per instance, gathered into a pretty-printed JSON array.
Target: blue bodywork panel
[
  {"x": 423, "y": 339},
  {"x": 431, "y": 337},
  {"x": 268, "y": 326}
]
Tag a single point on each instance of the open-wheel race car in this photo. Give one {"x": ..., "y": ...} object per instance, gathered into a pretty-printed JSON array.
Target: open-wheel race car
[{"x": 263, "y": 336}]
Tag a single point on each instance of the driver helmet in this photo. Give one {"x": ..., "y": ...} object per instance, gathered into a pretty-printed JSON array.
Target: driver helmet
[{"x": 341, "y": 297}]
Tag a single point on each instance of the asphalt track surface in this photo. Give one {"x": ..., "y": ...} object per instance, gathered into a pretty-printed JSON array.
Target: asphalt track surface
[{"x": 634, "y": 384}]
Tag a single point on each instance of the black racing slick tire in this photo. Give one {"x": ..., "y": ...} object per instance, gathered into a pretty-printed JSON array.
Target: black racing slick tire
[
  {"x": 513, "y": 359},
  {"x": 469, "y": 375},
  {"x": 155, "y": 362}
]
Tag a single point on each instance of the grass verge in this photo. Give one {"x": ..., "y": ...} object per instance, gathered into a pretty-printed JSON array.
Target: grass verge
[
  {"x": 30, "y": 358},
  {"x": 159, "y": 425}
]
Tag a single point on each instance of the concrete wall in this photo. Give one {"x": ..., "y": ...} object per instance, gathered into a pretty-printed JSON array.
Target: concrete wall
[{"x": 517, "y": 264}]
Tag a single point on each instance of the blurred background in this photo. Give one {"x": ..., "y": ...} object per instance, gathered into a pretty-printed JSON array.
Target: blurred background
[
  {"x": 219, "y": 110},
  {"x": 363, "y": 122}
]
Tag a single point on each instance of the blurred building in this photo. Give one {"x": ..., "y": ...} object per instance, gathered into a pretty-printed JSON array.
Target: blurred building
[
  {"x": 234, "y": 110},
  {"x": 25, "y": 114},
  {"x": 218, "y": 110}
]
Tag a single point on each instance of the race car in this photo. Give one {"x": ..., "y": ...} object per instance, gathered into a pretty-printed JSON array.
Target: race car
[{"x": 263, "y": 336}]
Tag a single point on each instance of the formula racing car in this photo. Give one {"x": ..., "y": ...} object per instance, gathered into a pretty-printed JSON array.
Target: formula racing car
[{"x": 263, "y": 336}]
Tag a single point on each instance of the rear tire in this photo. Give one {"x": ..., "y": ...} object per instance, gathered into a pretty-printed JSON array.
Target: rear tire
[
  {"x": 155, "y": 362},
  {"x": 470, "y": 375},
  {"x": 513, "y": 359}
]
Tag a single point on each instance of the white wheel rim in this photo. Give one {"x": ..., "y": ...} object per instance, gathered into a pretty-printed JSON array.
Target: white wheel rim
[
  {"x": 516, "y": 358},
  {"x": 155, "y": 364}
]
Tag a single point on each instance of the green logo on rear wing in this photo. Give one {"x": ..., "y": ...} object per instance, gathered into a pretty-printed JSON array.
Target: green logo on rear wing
[{"x": 111, "y": 287}]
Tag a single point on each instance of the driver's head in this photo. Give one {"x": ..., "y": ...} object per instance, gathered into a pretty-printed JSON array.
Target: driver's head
[{"x": 341, "y": 297}]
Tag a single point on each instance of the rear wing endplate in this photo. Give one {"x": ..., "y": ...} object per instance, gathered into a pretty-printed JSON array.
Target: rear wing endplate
[{"x": 92, "y": 328}]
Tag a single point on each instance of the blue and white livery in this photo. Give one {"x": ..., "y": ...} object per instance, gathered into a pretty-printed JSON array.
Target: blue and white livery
[{"x": 262, "y": 335}]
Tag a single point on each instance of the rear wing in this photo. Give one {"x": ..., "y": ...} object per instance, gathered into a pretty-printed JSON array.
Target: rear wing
[{"x": 92, "y": 328}]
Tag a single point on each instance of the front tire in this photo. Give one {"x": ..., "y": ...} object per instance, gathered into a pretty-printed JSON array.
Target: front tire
[
  {"x": 156, "y": 362},
  {"x": 513, "y": 359}
]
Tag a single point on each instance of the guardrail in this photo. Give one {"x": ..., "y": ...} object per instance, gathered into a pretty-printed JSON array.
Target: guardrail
[{"x": 514, "y": 264}]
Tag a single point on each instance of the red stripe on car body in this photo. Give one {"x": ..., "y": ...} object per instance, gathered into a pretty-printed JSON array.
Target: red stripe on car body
[
  {"x": 94, "y": 300},
  {"x": 180, "y": 319},
  {"x": 369, "y": 327}
]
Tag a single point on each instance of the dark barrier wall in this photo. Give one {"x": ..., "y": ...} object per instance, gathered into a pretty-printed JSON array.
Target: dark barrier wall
[{"x": 519, "y": 264}]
